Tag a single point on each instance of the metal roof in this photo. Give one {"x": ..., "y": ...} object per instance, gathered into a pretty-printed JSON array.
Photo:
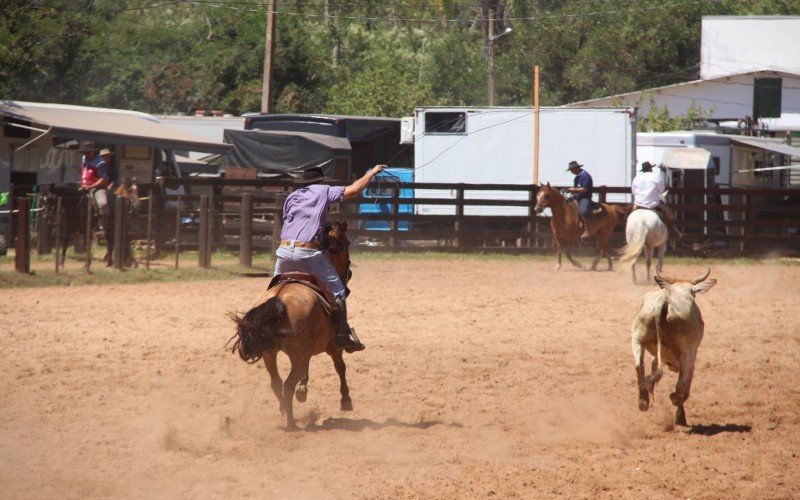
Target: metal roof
[
  {"x": 777, "y": 147},
  {"x": 106, "y": 126}
]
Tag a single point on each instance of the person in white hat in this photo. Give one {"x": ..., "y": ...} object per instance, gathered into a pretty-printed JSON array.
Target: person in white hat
[{"x": 647, "y": 189}]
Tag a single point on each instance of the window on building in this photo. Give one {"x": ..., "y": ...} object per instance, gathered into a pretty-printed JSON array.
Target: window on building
[
  {"x": 445, "y": 122},
  {"x": 767, "y": 97}
]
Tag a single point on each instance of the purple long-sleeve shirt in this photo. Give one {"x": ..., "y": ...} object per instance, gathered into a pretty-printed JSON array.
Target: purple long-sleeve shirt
[{"x": 306, "y": 209}]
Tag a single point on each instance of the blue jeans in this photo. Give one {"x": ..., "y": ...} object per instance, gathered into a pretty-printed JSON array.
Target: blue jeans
[
  {"x": 308, "y": 260},
  {"x": 584, "y": 206}
]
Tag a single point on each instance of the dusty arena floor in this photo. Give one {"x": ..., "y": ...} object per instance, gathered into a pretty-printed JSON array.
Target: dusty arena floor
[{"x": 482, "y": 378}]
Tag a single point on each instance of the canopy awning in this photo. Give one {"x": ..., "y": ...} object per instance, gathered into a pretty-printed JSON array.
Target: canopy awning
[
  {"x": 112, "y": 126},
  {"x": 687, "y": 159},
  {"x": 285, "y": 151},
  {"x": 775, "y": 147}
]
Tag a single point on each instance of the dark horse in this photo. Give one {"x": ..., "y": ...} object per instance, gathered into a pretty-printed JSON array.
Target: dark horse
[
  {"x": 73, "y": 217},
  {"x": 566, "y": 228},
  {"x": 292, "y": 319}
]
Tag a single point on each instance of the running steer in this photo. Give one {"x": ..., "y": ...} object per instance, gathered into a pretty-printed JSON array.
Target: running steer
[{"x": 669, "y": 325}]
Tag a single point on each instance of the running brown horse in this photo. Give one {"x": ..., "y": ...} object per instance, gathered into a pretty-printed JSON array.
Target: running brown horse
[
  {"x": 565, "y": 224},
  {"x": 292, "y": 319}
]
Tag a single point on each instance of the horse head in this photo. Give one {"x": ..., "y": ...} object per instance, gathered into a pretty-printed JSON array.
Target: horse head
[
  {"x": 337, "y": 248},
  {"x": 545, "y": 197}
]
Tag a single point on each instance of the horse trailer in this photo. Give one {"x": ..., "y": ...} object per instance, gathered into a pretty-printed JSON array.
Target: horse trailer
[{"x": 496, "y": 146}]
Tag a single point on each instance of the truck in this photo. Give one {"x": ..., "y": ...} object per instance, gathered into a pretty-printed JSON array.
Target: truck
[{"x": 495, "y": 145}]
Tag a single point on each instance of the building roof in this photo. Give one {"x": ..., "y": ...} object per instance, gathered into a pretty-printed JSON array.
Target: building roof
[
  {"x": 591, "y": 102},
  {"x": 106, "y": 126}
]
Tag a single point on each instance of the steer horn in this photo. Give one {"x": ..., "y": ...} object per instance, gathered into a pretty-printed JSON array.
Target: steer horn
[
  {"x": 702, "y": 278},
  {"x": 666, "y": 278}
]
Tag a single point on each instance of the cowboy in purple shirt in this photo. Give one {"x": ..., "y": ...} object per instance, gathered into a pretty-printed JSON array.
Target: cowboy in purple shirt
[{"x": 304, "y": 215}]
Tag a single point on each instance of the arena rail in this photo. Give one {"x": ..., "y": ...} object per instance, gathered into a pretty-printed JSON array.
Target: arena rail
[{"x": 206, "y": 214}]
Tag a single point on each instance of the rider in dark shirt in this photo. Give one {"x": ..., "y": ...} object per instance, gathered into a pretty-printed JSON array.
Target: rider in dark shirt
[{"x": 582, "y": 189}]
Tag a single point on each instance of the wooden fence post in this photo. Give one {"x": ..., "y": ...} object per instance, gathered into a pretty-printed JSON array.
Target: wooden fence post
[
  {"x": 177, "y": 231},
  {"x": 119, "y": 228},
  {"x": 394, "y": 210},
  {"x": 746, "y": 221},
  {"x": 212, "y": 228},
  {"x": 22, "y": 257},
  {"x": 246, "y": 231},
  {"x": 460, "y": 243},
  {"x": 149, "y": 235},
  {"x": 277, "y": 221},
  {"x": 58, "y": 234},
  {"x": 43, "y": 244},
  {"x": 202, "y": 238},
  {"x": 89, "y": 205}
]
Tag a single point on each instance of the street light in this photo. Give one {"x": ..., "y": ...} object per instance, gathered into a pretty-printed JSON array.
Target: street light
[{"x": 491, "y": 39}]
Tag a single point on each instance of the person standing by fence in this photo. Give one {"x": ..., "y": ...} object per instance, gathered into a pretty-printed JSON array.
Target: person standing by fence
[
  {"x": 304, "y": 215},
  {"x": 95, "y": 181}
]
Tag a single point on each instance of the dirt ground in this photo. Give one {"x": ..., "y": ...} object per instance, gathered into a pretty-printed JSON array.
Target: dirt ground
[{"x": 482, "y": 378}]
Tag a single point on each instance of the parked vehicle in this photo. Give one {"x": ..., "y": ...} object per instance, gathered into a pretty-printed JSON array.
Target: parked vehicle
[{"x": 381, "y": 188}]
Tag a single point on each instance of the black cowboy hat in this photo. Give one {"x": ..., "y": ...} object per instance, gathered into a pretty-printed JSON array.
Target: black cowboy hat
[
  {"x": 573, "y": 164},
  {"x": 647, "y": 166},
  {"x": 312, "y": 175}
]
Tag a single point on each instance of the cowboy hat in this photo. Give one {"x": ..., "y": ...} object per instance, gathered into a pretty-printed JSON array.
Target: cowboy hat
[
  {"x": 309, "y": 176},
  {"x": 87, "y": 146},
  {"x": 647, "y": 166},
  {"x": 106, "y": 151},
  {"x": 573, "y": 164}
]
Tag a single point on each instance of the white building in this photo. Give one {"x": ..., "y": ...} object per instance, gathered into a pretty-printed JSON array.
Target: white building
[{"x": 750, "y": 67}]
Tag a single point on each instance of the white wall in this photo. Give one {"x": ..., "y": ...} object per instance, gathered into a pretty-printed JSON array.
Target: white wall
[
  {"x": 728, "y": 97},
  {"x": 738, "y": 44}
]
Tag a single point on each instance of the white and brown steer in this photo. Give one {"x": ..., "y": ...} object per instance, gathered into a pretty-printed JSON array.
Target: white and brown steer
[{"x": 669, "y": 325}]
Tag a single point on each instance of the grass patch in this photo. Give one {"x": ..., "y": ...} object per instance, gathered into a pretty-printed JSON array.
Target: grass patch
[{"x": 223, "y": 266}]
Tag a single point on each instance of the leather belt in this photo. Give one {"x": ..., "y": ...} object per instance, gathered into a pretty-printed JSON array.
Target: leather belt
[{"x": 298, "y": 243}]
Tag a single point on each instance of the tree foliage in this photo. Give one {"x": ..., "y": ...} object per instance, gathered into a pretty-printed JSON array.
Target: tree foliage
[{"x": 380, "y": 57}]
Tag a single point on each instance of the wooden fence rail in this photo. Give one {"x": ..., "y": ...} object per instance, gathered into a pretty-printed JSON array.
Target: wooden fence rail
[{"x": 740, "y": 221}]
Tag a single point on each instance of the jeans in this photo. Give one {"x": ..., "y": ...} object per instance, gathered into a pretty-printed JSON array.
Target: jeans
[
  {"x": 584, "y": 206},
  {"x": 308, "y": 260}
]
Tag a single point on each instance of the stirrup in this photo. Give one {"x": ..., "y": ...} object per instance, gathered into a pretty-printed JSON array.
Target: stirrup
[{"x": 349, "y": 343}]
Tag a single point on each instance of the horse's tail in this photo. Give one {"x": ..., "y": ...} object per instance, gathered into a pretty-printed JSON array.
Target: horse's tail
[
  {"x": 257, "y": 328},
  {"x": 631, "y": 251}
]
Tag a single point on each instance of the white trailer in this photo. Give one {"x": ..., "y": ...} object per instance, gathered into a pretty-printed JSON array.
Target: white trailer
[{"x": 496, "y": 146}]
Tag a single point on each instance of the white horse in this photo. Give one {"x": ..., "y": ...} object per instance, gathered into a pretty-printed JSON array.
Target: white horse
[{"x": 644, "y": 231}]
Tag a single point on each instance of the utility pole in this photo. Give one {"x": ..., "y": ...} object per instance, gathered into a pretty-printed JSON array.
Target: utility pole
[
  {"x": 490, "y": 57},
  {"x": 269, "y": 49}
]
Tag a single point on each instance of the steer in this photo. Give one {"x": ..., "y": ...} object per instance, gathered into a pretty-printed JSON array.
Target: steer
[{"x": 669, "y": 326}]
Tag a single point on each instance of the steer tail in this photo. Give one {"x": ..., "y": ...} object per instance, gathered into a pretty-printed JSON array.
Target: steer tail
[
  {"x": 661, "y": 317},
  {"x": 631, "y": 251},
  {"x": 256, "y": 330}
]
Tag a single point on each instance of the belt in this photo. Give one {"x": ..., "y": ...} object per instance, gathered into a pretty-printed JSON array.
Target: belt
[{"x": 298, "y": 243}]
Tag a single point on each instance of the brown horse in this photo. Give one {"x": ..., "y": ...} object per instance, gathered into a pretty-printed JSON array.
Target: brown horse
[
  {"x": 566, "y": 227},
  {"x": 291, "y": 318}
]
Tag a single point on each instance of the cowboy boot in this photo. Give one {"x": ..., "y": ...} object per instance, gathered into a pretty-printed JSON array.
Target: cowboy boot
[
  {"x": 343, "y": 333},
  {"x": 585, "y": 223}
]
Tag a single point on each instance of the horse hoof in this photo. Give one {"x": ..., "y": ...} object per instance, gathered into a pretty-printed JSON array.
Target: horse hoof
[
  {"x": 643, "y": 405},
  {"x": 347, "y": 405},
  {"x": 301, "y": 396}
]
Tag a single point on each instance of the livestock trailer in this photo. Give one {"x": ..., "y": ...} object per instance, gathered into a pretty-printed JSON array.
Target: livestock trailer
[{"x": 496, "y": 146}]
